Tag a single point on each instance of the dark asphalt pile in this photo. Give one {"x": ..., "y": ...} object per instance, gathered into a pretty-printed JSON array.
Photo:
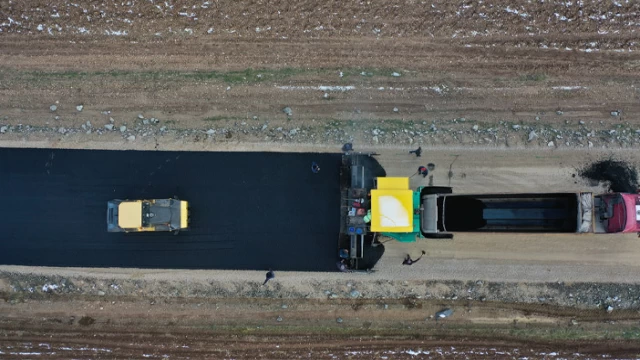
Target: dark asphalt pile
[
  {"x": 248, "y": 210},
  {"x": 617, "y": 175}
]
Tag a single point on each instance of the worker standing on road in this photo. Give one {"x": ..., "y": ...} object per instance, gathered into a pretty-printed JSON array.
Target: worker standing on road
[
  {"x": 347, "y": 147},
  {"x": 422, "y": 170},
  {"x": 315, "y": 167},
  {"x": 270, "y": 275},
  {"x": 417, "y": 151},
  {"x": 408, "y": 261}
]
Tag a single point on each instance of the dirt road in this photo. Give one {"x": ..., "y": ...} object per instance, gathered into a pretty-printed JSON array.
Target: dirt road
[{"x": 501, "y": 257}]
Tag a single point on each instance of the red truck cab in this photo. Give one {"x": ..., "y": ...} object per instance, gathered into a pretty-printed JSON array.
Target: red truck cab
[{"x": 617, "y": 213}]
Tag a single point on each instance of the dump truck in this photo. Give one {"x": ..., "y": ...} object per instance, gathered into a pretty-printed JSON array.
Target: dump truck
[
  {"x": 147, "y": 215},
  {"x": 435, "y": 212}
]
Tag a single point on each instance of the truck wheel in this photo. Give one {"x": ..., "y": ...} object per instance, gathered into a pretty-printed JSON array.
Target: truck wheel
[
  {"x": 438, "y": 236},
  {"x": 429, "y": 190}
]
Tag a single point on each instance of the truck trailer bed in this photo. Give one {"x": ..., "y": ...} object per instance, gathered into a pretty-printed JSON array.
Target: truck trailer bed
[{"x": 551, "y": 212}]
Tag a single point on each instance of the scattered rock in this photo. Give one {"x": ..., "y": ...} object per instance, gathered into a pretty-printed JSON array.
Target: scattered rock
[
  {"x": 475, "y": 127},
  {"x": 101, "y": 293},
  {"x": 444, "y": 313},
  {"x": 339, "y": 320},
  {"x": 615, "y": 113},
  {"x": 145, "y": 122},
  {"x": 333, "y": 296},
  {"x": 293, "y": 132},
  {"x": 53, "y": 108},
  {"x": 279, "y": 319},
  {"x": 88, "y": 123},
  {"x": 354, "y": 293},
  {"x": 164, "y": 128},
  {"x": 56, "y": 117},
  {"x": 62, "y": 130},
  {"x": 537, "y": 118},
  {"x": 86, "y": 321},
  {"x": 131, "y": 137},
  {"x": 3, "y": 129},
  {"x": 109, "y": 127},
  {"x": 140, "y": 116},
  {"x": 79, "y": 107},
  {"x": 284, "y": 306},
  {"x": 551, "y": 144},
  {"x": 532, "y": 135},
  {"x": 590, "y": 144},
  {"x": 123, "y": 128},
  {"x": 559, "y": 112},
  {"x": 325, "y": 96},
  {"x": 375, "y": 139},
  {"x": 287, "y": 110},
  {"x": 49, "y": 287},
  {"x": 395, "y": 109},
  {"x": 395, "y": 74},
  {"x": 609, "y": 308},
  {"x": 264, "y": 127},
  {"x": 581, "y": 122},
  {"x": 111, "y": 120},
  {"x": 211, "y": 132},
  {"x": 516, "y": 127}
]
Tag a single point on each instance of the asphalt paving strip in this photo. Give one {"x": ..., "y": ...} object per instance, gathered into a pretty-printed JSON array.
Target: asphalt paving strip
[{"x": 250, "y": 211}]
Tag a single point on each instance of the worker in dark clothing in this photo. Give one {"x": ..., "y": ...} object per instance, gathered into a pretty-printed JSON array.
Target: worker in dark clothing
[
  {"x": 417, "y": 151},
  {"x": 422, "y": 170},
  {"x": 315, "y": 167},
  {"x": 408, "y": 261},
  {"x": 342, "y": 266},
  {"x": 270, "y": 275}
]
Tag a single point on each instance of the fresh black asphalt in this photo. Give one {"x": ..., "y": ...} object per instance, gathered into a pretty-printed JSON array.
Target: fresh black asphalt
[{"x": 248, "y": 210}]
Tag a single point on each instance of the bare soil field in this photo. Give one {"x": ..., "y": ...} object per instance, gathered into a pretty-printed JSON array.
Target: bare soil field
[
  {"x": 109, "y": 328},
  {"x": 519, "y": 94},
  {"x": 507, "y": 74}
]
